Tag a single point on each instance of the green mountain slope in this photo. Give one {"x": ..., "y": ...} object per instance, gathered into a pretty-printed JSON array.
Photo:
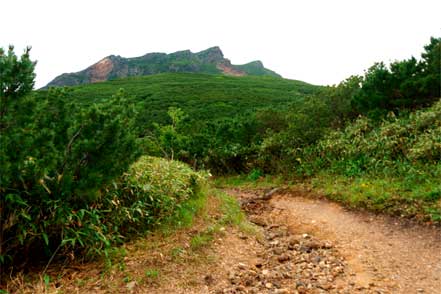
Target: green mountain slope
[
  {"x": 201, "y": 96},
  {"x": 256, "y": 68},
  {"x": 210, "y": 61}
]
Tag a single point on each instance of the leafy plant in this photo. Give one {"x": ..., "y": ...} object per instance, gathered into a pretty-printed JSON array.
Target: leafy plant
[{"x": 255, "y": 174}]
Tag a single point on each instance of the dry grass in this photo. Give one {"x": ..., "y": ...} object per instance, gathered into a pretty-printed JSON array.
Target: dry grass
[{"x": 162, "y": 261}]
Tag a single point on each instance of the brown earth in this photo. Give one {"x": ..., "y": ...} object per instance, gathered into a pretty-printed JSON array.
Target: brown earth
[
  {"x": 381, "y": 254},
  {"x": 228, "y": 70},
  {"x": 99, "y": 72}
]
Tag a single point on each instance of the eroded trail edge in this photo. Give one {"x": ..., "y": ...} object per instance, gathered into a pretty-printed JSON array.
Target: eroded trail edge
[{"x": 312, "y": 245}]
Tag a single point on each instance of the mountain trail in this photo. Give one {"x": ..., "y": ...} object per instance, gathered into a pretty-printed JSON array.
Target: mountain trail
[{"x": 316, "y": 246}]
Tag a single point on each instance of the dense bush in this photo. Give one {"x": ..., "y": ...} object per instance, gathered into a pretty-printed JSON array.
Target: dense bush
[
  {"x": 55, "y": 157},
  {"x": 220, "y": 145},
  {"x": 367, "y": 146},
  {"x": 151, "y": 191},
  {"x": 403, "y": 84}
]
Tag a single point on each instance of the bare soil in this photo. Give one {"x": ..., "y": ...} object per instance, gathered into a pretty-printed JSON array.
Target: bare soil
[
  {"x": 381, "y": 254},
  {"x": 302, "y": 244}
]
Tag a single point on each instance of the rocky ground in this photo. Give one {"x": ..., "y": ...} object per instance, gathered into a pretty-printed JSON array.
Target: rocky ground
[
  {"x": 289, "y": 262},
  {"x": 315, "y": 246}
]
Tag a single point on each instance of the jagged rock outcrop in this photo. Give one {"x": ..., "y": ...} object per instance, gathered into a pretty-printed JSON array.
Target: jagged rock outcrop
[{"x": 210, "y": 61}]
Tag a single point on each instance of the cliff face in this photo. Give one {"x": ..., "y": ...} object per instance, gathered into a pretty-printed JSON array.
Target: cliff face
[{"x": 210, "y": 61}]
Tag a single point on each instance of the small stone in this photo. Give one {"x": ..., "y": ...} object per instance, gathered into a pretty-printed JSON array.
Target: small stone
[
  {"x": 294, "y": 240},
  {"x": 278, "y": 251},
  {"x": 283, "y": 258},
  {"x": 268, "y": 285},
  {"x": 240, "y": 288},
  {"x": 258, "y": 221},
  {"x": 241, "y": 266},
  {"x": 248, "y": 281},
  {"x": 131, "y": 285},
  {"x": 208, "y": 279},
  {"x": 274, "y": 243},
  {"x": 313, "y": 245},
  {"x": 327, "y": 245},
  {"x": 305, "y": 249}
]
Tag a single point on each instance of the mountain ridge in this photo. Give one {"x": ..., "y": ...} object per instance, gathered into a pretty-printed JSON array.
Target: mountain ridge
[{"x": 209, "y": 61}]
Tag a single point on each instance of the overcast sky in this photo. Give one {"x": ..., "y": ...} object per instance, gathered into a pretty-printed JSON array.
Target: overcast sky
[{"x": 321, "y": 42}]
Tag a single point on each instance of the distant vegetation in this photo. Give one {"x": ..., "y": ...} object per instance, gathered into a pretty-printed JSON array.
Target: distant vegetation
[
  {"x": 201, "y": 96},
  {"x": 76, "y": 178},
  {"x": 223, "y": 117}
]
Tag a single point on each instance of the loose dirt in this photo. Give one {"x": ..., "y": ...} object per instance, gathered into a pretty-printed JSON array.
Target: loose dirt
[{"x": 366, "y": 253}]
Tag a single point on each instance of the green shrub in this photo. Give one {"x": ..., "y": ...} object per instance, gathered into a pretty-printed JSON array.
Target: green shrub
[
  {"x": 152, "y": 191},
  {"x": 52, "y": 184},
  {"x": 255, "y": 174},
  {"x": 396, "y": 145}
]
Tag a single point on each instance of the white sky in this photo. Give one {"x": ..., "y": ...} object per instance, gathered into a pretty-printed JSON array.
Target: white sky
[{"x": 321, "y": 42}]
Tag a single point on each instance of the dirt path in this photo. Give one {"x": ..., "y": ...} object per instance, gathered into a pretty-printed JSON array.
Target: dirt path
[{"x": 378, "y": 254}]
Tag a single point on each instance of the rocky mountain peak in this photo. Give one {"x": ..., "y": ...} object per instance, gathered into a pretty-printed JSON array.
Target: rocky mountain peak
[
  {"x": 211, "y": 55},
  {"x": 209, "y": 61}
]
